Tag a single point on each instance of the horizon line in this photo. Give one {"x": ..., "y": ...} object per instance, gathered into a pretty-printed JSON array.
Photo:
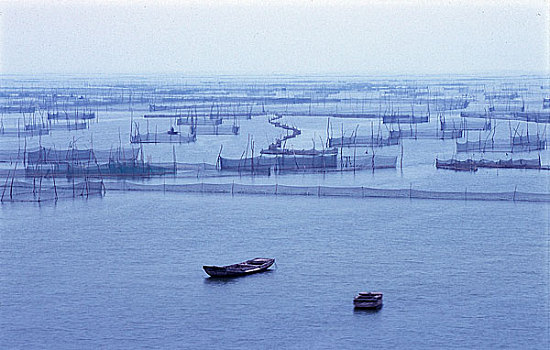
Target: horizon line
[{"x": 295, "y": 74}]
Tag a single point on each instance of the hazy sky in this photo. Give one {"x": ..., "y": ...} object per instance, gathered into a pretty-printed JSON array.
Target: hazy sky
[{"x": 264, "y": 37}]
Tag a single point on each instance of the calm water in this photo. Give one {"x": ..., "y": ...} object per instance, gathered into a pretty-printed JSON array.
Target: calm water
[{"x": 124, "y": 272}]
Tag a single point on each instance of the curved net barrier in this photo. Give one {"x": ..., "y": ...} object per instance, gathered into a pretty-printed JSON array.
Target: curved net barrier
[{"x": 327, "y": 191}]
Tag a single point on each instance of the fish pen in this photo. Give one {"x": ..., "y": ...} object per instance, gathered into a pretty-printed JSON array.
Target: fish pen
[
  {"x": 427, "y": 134},
  {"x": 404, "y": 119},
  {"x": 186, "y": 120},
  {"x": 204, "y": 112},
  {"x": 456, "y": 165},
  {"x": 278, "y": 164},
  {"x": 297, "y": 152},
  {"x": 197, "y": 121},
  {"x": 515, "y": 145},
  {"x": 370, "y": 141},
  {"x": 303, "y": 163},
  {"x": 535, "y": 116},
  {"x": 497, "y": 164},
  {"x": 465, "y": 124},
  {"x": 44, "y": 155},
  {"x": 214, "y": 129},
  {"x": 355, "y": 115},
  {"x": 89, "y": 163},
  {"x": 101, "y": 170},
  {"x": 71, "y": 115},
  {"x": 368, "y": 162},
  {"x": 37, "y": 191},
  {"x": 163, "y": 137},
  {"x": 17, "y": 109},
  {"x": 9, "y": 132},
  {"x": 48, "y": 155},
  {"x": 51, "y": 127}
]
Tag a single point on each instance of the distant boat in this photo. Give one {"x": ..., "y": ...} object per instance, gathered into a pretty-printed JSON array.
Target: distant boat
[
  {"x": 245, "y": 268},
  {"x": 368, "y": 300},
  {"x": 172, "y": 131}
]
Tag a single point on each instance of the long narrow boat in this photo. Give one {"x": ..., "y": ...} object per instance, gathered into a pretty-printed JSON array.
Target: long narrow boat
[{"x": 245, "y": 268}]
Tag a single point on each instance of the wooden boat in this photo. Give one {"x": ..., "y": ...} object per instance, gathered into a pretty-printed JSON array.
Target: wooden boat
[
  {"x": 368, "y": 300},
  {"x": 245, "y": 268}
]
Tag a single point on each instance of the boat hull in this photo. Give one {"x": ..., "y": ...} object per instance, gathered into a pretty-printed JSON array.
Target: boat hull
[
  {"x": 367, "y": 304},
  {"x": 242, "y": 269}
]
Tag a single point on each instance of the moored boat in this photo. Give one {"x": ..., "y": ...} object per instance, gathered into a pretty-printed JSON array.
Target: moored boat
[
  {"x": 368, "y": 300},
  {"x": 244, "y": 268}
]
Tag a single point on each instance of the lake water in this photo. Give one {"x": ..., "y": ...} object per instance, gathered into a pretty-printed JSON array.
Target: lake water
[{"x": 125, "y": 272}]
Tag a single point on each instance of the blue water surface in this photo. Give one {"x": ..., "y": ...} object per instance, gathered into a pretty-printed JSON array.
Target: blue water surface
[{"x": 125, "y": 272}]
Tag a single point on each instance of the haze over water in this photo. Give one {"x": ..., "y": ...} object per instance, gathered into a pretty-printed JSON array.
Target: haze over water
[{"x": 122, "y": 269}]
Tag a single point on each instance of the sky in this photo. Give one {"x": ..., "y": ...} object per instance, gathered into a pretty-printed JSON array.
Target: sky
[{"x": 275, "y": 37}]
